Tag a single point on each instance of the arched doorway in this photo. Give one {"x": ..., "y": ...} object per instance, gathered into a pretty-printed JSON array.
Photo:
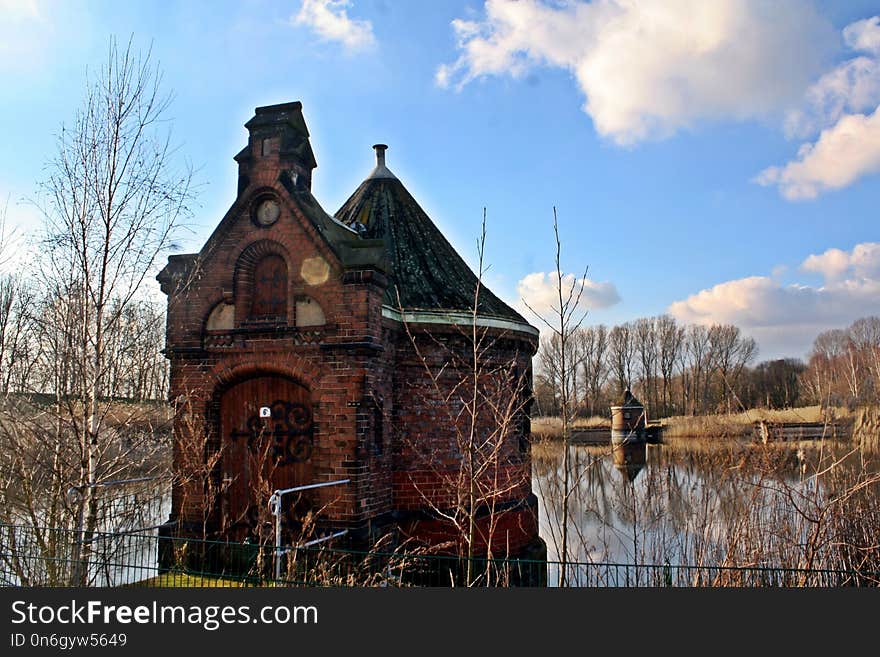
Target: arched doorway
[{"x": 267, "y": 430}]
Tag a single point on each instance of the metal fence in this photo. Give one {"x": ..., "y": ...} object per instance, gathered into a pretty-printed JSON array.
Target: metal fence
[{"x": 32, "y": 556}]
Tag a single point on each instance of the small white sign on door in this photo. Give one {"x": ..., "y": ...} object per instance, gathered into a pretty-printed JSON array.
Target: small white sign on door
[{"x": 265, "y": 411}]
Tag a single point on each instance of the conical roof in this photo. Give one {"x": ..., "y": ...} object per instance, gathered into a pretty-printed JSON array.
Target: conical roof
[
  {"x": 630, "y": 400},
  {"x": 425, "y": 270}
]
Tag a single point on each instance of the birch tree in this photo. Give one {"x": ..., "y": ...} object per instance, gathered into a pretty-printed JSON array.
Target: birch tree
[
  {"x": 565, "y": 320},
  {"x": 114, "y": 196}
]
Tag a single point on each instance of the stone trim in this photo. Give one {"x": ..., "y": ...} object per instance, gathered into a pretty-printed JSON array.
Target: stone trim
[{"x": 456, "y": 319}]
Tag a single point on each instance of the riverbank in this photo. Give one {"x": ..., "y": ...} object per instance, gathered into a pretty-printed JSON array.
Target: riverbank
[
  {"x": 550, "y": 428},
  {"x": 742, "y": 425},
  {"x": 730, "y": 426}
]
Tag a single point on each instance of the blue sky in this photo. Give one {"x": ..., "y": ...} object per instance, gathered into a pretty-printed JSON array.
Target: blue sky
[{"x": 716, "y": 160}]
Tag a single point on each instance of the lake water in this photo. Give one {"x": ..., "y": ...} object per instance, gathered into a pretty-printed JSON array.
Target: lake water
[
  {"x": 123, "y": 550},
  {"x": 711, "y": 503},
  {"x": 722, "y": 503}
]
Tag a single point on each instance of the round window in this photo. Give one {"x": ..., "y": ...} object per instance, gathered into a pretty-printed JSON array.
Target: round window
[{"x": 267, "y": 212}]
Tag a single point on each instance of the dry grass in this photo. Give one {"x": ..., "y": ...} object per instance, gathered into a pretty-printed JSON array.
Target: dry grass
[
  {"x": 734, "y": 425},
  {"x": 740, "y": 425},
  {"x": 546, "y": 427},
  {"x": 866, "y": 429},
  {"x": 186, "y": 580}
]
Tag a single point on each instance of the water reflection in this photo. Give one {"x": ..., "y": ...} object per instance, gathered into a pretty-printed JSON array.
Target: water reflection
[
  {"x": 122, "y": 550},
  {"x": 722, "y": 503},
  {"x": 629, "y": 459}
]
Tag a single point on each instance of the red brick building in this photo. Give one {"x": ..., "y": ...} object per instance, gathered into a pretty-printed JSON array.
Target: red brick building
[{"x": 309, "y": 348}]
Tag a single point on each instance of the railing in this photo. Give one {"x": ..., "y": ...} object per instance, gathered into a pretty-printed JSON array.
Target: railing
[{"x": 44, "y": 557}]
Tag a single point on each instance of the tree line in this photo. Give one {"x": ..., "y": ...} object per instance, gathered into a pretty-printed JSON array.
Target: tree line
[
  {"x": 844, "y": 365},
  {"x": 77, "y": 329},
  {"x": 42, "y": 352},
  {"x": 692, "y": 369}
]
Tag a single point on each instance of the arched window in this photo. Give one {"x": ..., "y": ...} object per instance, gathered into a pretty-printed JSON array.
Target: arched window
[
  {"x": 309, "y": 312},
  {"x": 269, "y": 298},
  {"x": 221, "y": 317}
]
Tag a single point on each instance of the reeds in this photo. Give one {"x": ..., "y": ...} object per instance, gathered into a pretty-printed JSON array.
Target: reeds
[
  {"x": 866, "y": 428},
  {"x": 723, "y": 504},
  {"x": 550, "y": 428},
  {"x": 740, "y": 425}
]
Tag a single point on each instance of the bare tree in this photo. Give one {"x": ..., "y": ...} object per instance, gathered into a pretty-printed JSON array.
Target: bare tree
[
  {"x": 864, "y": 344},
  {"x": 621, "y": 353},
  {"x": 550, "y": 360},
  {"x": 567, "y": 319},
  {"x": 111, "y": 203},
  {"x": 646, "y": 346},
  {"x": 826, "y": 361},
  {"x": 670, "y": 337},
  {"x": 16, "y": 327},
  {"x": 594, "y": 348},
  {"x": 15, "y": 300},
  {"x": 844, "y": 365},
  {"x": 483, "y": 391},
  {"x": 698, "y": 362},
  {"x": 731, "y": 351},
  {"x": 136, "y": 369}
]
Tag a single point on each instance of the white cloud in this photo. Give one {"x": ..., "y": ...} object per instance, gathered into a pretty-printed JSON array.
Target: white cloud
[
  {"x": 329, "y": 20},
  {"x": 863, "y": 262},
  {"x": 843, "y": 153},
  {"x": 540, "y": 291},
  {"x": 863, "y": 35},
  {"x": 650, "y": 68},
  {"x": 833, "y": 264},
  {"x": 24, "y": 35},
  {"x": 852, "y": 87},
  {"x": 785, "y": 319},
  {"x": 13, "y": 9},
  {"x": 842, "y": 107}
]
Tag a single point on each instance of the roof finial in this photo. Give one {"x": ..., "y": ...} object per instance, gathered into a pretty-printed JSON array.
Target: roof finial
[
  {"x": 381, "y": 171},
  {"x": 380, "y": 154}
]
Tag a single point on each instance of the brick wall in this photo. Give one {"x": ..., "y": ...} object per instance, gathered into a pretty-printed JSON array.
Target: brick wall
[
  {"x": 337, "y": 362},
  {"x": 436, "y": 431}
]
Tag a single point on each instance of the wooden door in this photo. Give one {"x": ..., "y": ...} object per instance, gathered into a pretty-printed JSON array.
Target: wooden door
[{"x": 262, "y": 454}]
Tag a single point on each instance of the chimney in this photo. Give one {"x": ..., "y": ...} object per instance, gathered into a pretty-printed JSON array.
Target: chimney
[
  {"x": 278, "y": 140},
  {"x": 380, "y": 154}
]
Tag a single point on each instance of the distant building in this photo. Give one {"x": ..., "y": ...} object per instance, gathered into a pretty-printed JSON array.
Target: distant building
[
  {"x": 304, "y": 348},
  {"x": 628, "y": 421}
]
